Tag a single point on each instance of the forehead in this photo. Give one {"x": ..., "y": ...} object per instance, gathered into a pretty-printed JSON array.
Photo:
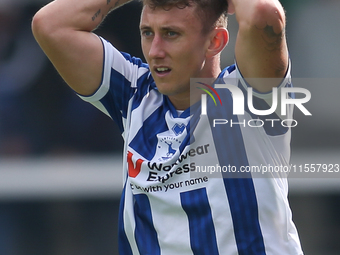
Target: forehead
[{"x": 185, "y": 18}]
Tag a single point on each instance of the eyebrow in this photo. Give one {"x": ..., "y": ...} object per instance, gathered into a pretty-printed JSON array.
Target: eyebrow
[
  {"x": 165, "y": 28},
  {"x": 144, "y": 27}
]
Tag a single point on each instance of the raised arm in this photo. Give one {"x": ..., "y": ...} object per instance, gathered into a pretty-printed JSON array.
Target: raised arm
[
  {"x": 63, "y": 29},
  {"x": 261, "y": 49}
]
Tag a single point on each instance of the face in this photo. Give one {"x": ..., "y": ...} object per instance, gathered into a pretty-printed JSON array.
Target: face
[{"x": 174, "y": 47}]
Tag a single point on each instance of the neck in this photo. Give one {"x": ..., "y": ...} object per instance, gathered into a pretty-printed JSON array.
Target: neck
[{"x": 184, "y": 101}]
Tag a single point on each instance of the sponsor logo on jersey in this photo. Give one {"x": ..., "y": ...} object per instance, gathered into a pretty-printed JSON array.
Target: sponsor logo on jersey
[
  {"x": 134, "y": 168},
  {"x": 162, "y": 172}
]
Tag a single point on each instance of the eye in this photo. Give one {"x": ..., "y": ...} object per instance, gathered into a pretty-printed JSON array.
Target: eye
[
  {"x": 171, "y": 33},
  {"x": 147, "y": 33}
]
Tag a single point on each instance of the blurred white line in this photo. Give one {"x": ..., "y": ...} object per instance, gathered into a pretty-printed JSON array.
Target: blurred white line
[
  {"x": 101, "y": 177},
  {"x": 60, "y": 178},
  {"x": 315, "y": 185}
]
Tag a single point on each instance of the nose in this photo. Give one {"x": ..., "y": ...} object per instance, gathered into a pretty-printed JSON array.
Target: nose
[{"x": 157, "y": 49}]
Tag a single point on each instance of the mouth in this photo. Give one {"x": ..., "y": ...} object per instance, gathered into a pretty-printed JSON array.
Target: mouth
[{"x": 162, "y": 71}]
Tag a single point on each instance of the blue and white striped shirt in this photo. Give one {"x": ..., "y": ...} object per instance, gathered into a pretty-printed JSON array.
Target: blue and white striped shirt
[{"x": 167, "y": 207}]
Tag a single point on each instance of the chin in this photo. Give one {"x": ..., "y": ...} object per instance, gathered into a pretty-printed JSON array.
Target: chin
[
  {"x": 170, "y": 89},
  {"x": 165, "y": 89}
]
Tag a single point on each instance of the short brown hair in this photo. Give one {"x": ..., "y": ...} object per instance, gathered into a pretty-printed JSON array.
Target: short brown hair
[{"x": 213, "y": 13}]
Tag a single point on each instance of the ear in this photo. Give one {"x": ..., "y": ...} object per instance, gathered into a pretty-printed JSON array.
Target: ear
[{"x": 218, "y": 40}]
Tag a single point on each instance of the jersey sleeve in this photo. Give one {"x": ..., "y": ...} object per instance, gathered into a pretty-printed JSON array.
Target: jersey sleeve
[
  {"x": 264, "y": 101},
  {"x": 264, "y": 109},
  {"x": 122, "y": 75}
]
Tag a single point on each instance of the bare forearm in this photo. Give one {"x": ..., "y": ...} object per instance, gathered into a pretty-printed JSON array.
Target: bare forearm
[
  {"x": 63, "y": 30},
  {"x": 83, "y": 15}
]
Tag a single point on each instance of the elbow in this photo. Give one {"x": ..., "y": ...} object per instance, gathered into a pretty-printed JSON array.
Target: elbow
[
  {"x": 271, "y": 14},
  {"x": 43, "y": 25},
  {"x": 267, "y": 13},
  {"x": 36, "y": 24},
  {"x": 39, "y": 25}
]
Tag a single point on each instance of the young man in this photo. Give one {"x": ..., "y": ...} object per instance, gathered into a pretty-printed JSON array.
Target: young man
[{"x": 163, "y": 209}]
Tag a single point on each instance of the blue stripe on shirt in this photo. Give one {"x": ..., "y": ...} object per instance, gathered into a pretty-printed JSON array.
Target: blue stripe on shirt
[
  {"x": 134, "y": 60},
  {"x": 117, "y": 99},
  {"x": 244, "y": 211},
  {"x": 145, "y": 233},
  {"x": 145, "y": 141},
  {"x": 202, "y": 231},
  {"x": 239, "y": 186},
  {"x": 123, "y": 243},
  {"x": 144, "y": 84}
]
